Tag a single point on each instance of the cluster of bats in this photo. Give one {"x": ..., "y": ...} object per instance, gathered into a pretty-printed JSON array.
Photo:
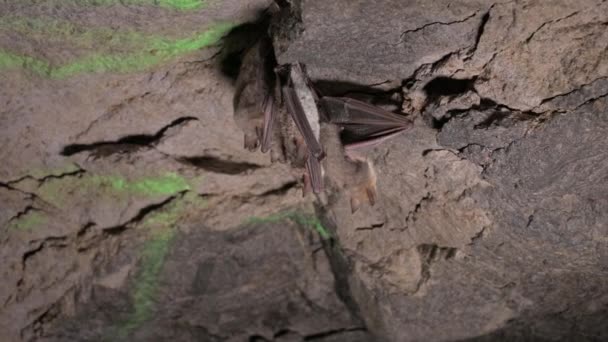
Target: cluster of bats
[{"x": 279, "y": 111}]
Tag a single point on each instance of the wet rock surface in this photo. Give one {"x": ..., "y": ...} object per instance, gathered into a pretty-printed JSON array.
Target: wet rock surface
[{"x": 132, "y": 212}]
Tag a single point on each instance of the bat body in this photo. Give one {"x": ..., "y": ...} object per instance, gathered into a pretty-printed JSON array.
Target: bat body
[{"x": 253, "y": 100}]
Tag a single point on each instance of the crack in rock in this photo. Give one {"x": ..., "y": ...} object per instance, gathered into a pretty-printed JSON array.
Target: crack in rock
[
  {"x": 579, "y": 88},
  {"x": 334, "y": 332},
  {"x": 218, "y": 165},
  {"x": 143, "y": 212},
  {"x": 124, "y": 144},
  {"x": 404, "y": 33}
]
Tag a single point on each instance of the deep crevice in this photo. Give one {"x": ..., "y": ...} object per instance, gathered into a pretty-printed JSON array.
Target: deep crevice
[
  {"x": 128, "y": 143},
  {"x": 334, "y": 332},
  {"x": 281, "y": 190},
  {"x": 217, "y": 165},
  {"x": 437, "y": 23},
  {"x": 339, "y": 267},
  {"x": 448, "y": 86},
  {"x": 143, "y": 212},
  {"x": 481, "y": 29}
]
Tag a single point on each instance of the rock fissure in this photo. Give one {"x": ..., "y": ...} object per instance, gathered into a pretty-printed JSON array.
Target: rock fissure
[{"x": 127, "y": 143}]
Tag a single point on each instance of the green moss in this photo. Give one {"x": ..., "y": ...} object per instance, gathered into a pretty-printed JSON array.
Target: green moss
[
  {"x": 167, "y": 184},
  {"x": 170, "y": 215},
  {"x": 161, "y": 224},
  {"x": 145, "y": 52},
  {"x": 145, "y": 288},
  {"x": 181, "y": 5},
  {"x": 309, "y": 221},
  {"x": 28, "y": 221},
  {"x": 58, "y": 191}
]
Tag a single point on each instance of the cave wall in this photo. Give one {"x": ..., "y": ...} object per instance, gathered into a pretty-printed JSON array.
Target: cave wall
[{"x": 131, "y": 210}]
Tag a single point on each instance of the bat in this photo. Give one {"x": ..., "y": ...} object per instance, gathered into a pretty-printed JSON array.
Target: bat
[{"x": 301, "y": 137}]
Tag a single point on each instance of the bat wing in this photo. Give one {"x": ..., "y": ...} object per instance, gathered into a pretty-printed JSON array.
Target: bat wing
[
  {"x": 315, "y": 173},
  {"x": 296, "y": 111},
  {"x": 269, "y": 116},
  {"x": 364, "y": 124}
]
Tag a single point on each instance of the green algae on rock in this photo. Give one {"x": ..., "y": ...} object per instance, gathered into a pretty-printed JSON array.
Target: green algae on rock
[
  {"x": 150, "y": 51},
  {"x": 28, "y": 221},
  {"x": 180, "y": 5},
  {"x": 57, "y": 191},
  {"x": 170, "y": 215},
  {"x": 145, "y": 284}
]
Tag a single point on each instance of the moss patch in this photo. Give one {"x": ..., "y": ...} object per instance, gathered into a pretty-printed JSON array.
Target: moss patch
[
  {"x": 58, "y": 191},
  {"x": 146, "y": 281},
  {"x": 175, "y": 211},
  {"x": 309, "y": 221},
  {"x": 28, "y": 221},
  {"x": 142, "y": 52},
  {"x": 181, "y": 5},
  {"x": 161, "y": 225}
]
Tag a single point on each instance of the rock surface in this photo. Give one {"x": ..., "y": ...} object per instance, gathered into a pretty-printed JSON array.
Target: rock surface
[{"x": 132, "y": 212}]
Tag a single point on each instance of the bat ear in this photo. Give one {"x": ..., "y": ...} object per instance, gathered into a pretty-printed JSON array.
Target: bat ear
[{"x": 251, "y": 142}]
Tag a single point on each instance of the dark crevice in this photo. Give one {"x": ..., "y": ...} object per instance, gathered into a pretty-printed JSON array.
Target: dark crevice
[
  {"x": 372, "y": 227},
  {"x": 126, "y": 144},
  {"x": 31, "y": 253},
  {"x": 412, "y": 214},
  {"x": 217, "y": 165},
  {"x": 448, "y": 86},
  {"x": 437, "y": 23},
  {"x": 45, "y": 178},
  {"x": 591, "y": 100},
  {"x": 23, "y": 212},
  {"x": 478, "y": 236},
  {"x": 141, "y": 214},
  {"x": 340, "y": 268},
  {"x": 334, "y": 332},
  {"x": 480, "y": 30},
  {"x": 281, "y": 190}
]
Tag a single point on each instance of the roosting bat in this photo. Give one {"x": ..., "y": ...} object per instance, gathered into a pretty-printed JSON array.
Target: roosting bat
[
  {"x": 252, "y": 100},
  {"x": 304, "y": 136}
]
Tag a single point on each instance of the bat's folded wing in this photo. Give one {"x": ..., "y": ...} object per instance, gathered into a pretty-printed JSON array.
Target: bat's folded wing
[
  {"x": 365, "y": 124},
  {"x": 299, "y": 117}
]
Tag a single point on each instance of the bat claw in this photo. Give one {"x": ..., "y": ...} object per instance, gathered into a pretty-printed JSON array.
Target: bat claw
[
  {"x": 251, "y": 142},
  {"x": 371, "y": 195},
  {"x": 354, "y": 204}
]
